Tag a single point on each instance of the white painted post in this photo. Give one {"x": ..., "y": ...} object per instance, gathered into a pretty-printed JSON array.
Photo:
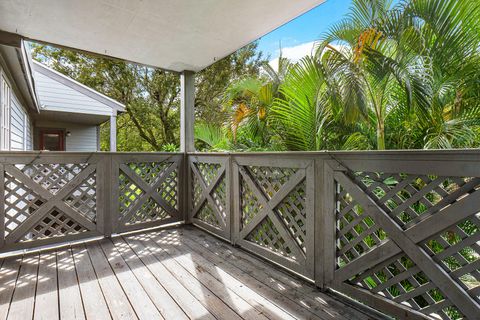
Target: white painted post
[
  {"x": 113, "y": 132},
  {"x": 187, "y": 115}
]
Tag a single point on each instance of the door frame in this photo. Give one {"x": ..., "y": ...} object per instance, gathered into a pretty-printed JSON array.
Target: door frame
[{"x": 60, "y": 132}]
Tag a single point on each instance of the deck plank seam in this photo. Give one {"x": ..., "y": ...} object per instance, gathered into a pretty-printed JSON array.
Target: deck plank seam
[{"x": 212, "y": 291}]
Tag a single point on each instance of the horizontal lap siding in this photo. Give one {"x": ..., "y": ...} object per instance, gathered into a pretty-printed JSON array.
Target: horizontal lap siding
[
  {"x": 17, "y": 125},
  {"x": 82, "y": 139},
  {"x": 55, "y": 96}
]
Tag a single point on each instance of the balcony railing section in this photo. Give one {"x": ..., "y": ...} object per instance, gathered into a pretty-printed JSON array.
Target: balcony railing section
[{"x": 398, "y": 231}]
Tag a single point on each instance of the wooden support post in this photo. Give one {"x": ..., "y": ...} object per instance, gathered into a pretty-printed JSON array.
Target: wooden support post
[
  {"x": 187, "y": 113},
  {"x": 187, "y": 120},
  {"x": 113, "y": 132}
]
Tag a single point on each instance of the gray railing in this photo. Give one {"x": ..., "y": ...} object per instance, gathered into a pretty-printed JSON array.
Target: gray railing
[
  {"x": 398, "y": 231},
  {"x": 56, "y": 197}
]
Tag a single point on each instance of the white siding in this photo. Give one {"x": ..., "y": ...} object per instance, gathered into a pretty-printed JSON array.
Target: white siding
[
  {"x": 83, "y": 138},
  {"x": 17, "y": 125},
  {"x": 55, "y": 96},
  {"x": 29, "y": 133}
]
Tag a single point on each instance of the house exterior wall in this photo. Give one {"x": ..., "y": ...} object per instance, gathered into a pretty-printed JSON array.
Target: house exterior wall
[
  {"x": 81, "y": 138},
  {"x": 56, "y": 96},
  {"x": 20, "y": 121}
]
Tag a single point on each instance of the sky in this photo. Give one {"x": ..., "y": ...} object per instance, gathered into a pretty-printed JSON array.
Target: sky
[{"x": 297, "y": 36}]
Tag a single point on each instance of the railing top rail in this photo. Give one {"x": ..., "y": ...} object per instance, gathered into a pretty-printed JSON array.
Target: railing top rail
[{"x": 343, "y": 152}]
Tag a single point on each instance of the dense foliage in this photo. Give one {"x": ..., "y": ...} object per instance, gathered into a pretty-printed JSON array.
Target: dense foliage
[{"x": 403, "y": 76}]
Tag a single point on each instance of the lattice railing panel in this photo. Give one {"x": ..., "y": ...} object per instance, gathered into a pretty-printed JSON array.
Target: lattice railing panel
[
  {"x": 270, "y": 179},
  {"x": 44, "y": 201},
  {"x": 52, "y": 177},
  {"x": 411, "y": 198},
  {"x": 368, "y": 204},
  {"x": 196, "y": 191},
  {"x": 208, "y": 171},
  {"x": 275, "y": 212},
  {"x": 147, "y": 192},
  {"x": 207, "y": 215},
  {"x": 268, "y": 236},
  {"x": 400, "y": 280},
  {"x": 168, "y": 190},
  {"x": 20, "y": 203},
  {"x": 250, "y": 205},
  {"x": 129, "y": 194},
  {"x": 457, "y": 250},
  {"x": 357, "y": 232},
  {"x": 209, "y": 195},
  {"x": 293, "y": 213},
  {"x": 54, "y": 224},
  {"x": 150, "y": 172},
  {"x": 149, "y": 211},
  {"x": 84, "y": 198}
]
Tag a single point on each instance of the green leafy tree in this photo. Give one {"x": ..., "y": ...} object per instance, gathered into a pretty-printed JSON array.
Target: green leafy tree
[{"x": 151, "y": 96}]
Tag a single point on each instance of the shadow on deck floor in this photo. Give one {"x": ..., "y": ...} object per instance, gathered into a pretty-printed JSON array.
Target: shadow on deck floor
[{"x": 177, "y": 273}]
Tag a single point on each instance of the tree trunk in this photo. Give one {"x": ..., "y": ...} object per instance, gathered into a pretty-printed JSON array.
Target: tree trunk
[{"x": 380, "y": 135}]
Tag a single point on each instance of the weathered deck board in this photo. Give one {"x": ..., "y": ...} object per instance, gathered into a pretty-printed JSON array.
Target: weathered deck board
[
  {"x": 23, "y": 301},
  {"x": 230, "y": 298},
  {"x": 8, "y": 279},
  {"x": 92, "y": 295},
  {"x": 172, "y": 274},
  {"x": 70, "y": 301},
  {"x": 46, "y": 297},
  {"x": 277, "y": 279}
]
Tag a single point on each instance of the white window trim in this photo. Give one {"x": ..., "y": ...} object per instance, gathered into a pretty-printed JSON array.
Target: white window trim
[{"x": 5, "y": 112}]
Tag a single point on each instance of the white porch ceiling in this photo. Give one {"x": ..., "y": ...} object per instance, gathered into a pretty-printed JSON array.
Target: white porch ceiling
[{"x": 175, "y": 35}]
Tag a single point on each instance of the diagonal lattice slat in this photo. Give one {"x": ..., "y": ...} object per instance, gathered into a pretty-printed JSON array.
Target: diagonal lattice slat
[
  {"x": 357, "y": 232},
  {"x": 168, "y": 190},
  {"x": 54, "y": 224},
  {"x": 20, "y": 203},
  {"x": 411, "y": 198},
  {"x": 129, "y": 194},
  {"x": 270, "y": 179},
  {"x": 53, "y": 176},
  {"x": 196, "y": 191},
  {"x": 293, "y": 212},
  {"x": 208, "y": 171},
  {"x": 206, "y": 215},
  {"x": 400, "y": 280},
  {"x": 150, "y": 172},
  {"x": 149, "y": 211},
  {"x": 408, "y": 199},
  {"x": 457, "y": 250},
  {"x": 83, "y": 198},
  {"x": 250, "y": 205},
  {"x": 266, "y": 235}
]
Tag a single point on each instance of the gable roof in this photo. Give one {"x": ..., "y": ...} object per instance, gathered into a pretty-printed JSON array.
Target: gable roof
[
  {"x": 175, "y": 35},
  {"x": 58, "y": 92}
]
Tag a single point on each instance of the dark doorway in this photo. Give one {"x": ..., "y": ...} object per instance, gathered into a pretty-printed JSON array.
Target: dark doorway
[{"x": 52, "y": 140}]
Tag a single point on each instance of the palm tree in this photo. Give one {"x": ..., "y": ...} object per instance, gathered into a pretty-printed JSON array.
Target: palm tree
[{"x": 384, "y": 58}]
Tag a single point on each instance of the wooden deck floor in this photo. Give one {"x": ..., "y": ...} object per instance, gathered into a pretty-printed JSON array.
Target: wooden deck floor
[{"x": 180, "y": 273}]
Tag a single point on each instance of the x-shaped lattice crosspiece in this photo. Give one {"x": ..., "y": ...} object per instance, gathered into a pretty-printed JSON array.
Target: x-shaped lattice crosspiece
[
  {"x": 268, "y": 209},
  {"x": 149, "y": 191},
  {"x": 207, "y": 189},
  {"x": 52, "y": 201},
  {"x": 407, "y": 241}
]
